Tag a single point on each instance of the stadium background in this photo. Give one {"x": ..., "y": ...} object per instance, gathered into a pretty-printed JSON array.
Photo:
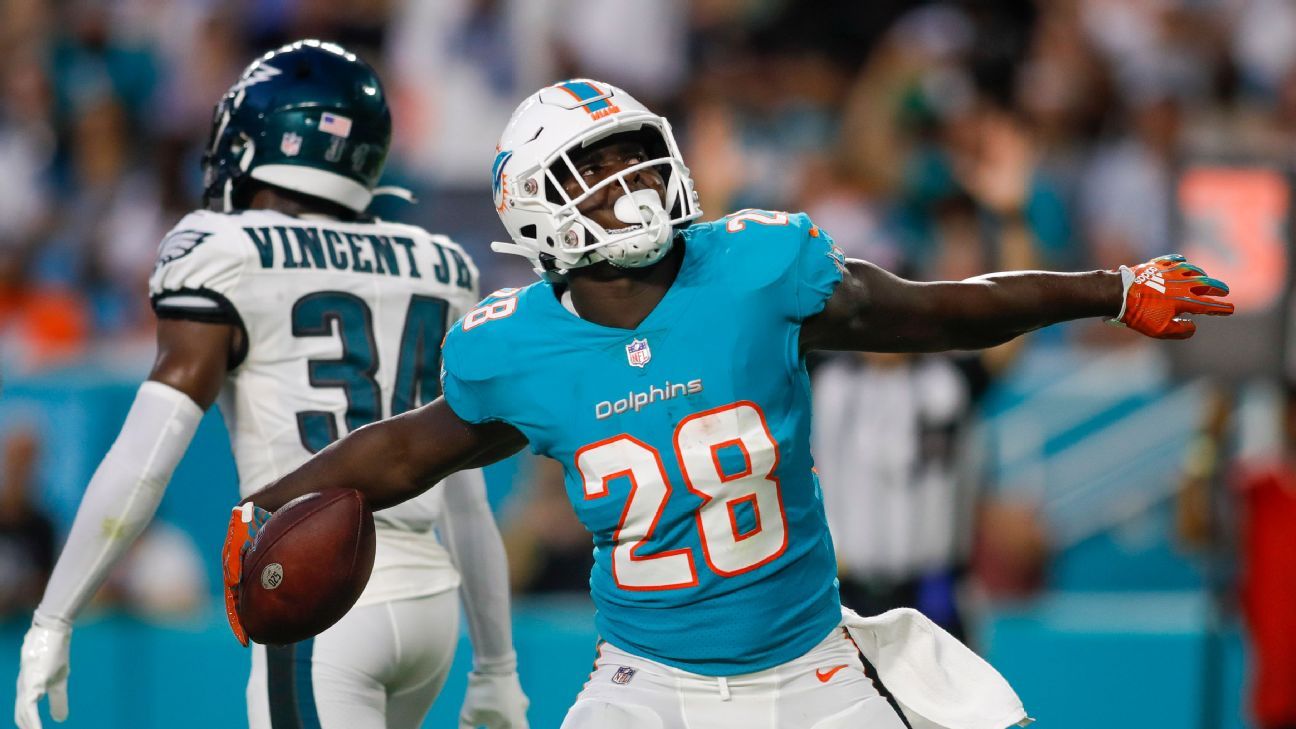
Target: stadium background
[{"x": 1120, "y": 129}]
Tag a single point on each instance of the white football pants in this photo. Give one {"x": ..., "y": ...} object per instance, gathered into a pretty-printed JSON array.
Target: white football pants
[
  {"x": 381, "y": 666},
  {"x": 824, "y": 689}
]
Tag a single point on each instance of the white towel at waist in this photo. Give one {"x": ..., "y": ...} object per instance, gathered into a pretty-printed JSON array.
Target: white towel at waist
[{"x": 938, "y": 681}]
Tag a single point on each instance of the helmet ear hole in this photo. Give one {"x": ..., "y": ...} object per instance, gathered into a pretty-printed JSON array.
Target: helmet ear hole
[{"x": 527, "y": 231}]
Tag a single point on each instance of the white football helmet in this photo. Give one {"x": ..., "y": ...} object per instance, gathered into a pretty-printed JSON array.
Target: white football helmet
[{"x": 543, "y": 219}]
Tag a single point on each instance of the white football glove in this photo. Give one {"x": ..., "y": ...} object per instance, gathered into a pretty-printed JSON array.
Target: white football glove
[
  {"x": 495, "y": 701},
  {"x": 43, "y": 670}
]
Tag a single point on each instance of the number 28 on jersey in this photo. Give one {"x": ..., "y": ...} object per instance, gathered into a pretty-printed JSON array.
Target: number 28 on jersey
[{"x": 729, "y": 460}]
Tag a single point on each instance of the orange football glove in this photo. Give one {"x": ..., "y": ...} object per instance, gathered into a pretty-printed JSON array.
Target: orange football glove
[
  {"x": 1158, "y": 294},
  {"x": 245, "y": 521}
]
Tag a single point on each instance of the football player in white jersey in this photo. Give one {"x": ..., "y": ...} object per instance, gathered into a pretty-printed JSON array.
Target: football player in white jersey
[{"x": 308, "y": 319}]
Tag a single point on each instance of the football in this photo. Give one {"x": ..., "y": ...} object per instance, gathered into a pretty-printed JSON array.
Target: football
[{"x": 307, "y": 567}]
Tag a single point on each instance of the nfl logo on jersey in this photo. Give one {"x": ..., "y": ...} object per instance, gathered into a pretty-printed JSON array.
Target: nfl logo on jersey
[
  {"x": 623, "y": 675},
  {"x": 638, "y": 353}
]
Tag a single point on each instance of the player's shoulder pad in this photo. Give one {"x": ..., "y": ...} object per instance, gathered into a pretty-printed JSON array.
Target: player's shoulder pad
[
  {"x": 203, "y": 252},
  {"x": 488, "y": 340},
  {"x": 752, "y": 249}
]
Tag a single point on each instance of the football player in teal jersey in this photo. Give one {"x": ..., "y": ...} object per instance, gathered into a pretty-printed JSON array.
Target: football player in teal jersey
[{"x": 663, "y": 365}]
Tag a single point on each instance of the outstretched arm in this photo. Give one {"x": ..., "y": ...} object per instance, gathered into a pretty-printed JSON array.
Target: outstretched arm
[
  {"x": 872, "y": 310},
  {"x": 396, "y": 459}
]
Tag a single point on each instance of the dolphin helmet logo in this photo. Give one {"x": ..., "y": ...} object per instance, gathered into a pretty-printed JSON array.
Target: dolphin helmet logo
[{"x": 497, "y": 175}]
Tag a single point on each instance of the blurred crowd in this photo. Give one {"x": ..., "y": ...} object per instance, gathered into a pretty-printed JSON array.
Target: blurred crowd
[{"x": 911, "y": 131}]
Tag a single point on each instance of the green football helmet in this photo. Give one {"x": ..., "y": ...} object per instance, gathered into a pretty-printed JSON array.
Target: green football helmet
[{"x": 309, "y": 117}]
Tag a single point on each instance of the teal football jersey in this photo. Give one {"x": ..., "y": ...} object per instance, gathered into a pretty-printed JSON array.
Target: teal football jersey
[{"x": 685, "y": 442}]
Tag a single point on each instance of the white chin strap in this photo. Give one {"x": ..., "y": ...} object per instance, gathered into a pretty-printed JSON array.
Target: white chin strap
[{"x": 646, "y": 247}]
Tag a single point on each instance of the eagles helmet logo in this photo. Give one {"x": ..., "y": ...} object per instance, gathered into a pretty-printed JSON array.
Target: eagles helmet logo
[
  {"x": 179, "y": 244},
  {"x": 258, "y": 74}
]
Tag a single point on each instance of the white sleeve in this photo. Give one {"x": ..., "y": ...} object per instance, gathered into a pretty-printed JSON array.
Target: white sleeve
[
  {"x": 122, "y": 496},
  {"x": 473, "y": 540}
]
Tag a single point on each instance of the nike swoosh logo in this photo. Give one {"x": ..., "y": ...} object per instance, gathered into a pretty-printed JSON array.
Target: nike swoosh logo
[{"x": 825, "y": 676}]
